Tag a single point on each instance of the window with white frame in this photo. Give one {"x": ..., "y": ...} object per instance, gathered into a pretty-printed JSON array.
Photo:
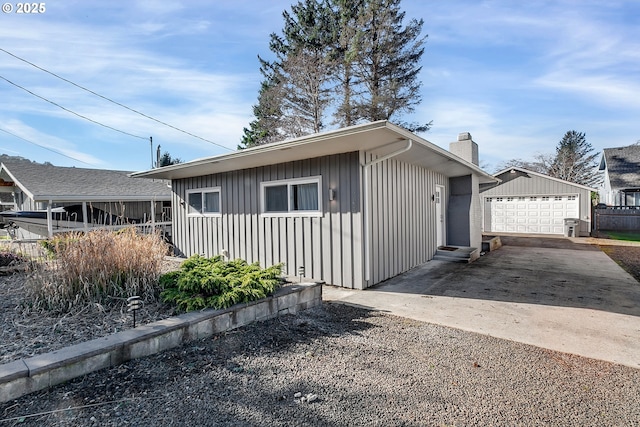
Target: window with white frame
[
  {"x": 292, "y": 196},
  {"x": 204, "y": 201}
]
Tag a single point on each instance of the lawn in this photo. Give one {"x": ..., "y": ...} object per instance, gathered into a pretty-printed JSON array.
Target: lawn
[{"x": 627, "y": 236}]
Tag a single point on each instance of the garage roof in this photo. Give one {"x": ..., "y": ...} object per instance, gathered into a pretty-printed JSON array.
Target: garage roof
[
  {"x": 527, "y": 171},
  {"x": 381, "y": 137}
]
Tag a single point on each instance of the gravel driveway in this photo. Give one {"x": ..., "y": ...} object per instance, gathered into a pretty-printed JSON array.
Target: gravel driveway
[{"x": 358, "y": 367}]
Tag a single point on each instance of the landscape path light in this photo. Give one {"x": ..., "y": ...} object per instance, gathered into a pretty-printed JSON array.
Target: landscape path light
[{"x": 134, "y": 303}]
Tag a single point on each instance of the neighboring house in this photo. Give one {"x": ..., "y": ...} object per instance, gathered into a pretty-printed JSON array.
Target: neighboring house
[
  {"x": 621, "y": 167},
  {"x": 33, "y": 186},
  {"x": 354, "y": 206},
  {"x": 6, "y": 199},
  {"x": 534, "y": 203}
]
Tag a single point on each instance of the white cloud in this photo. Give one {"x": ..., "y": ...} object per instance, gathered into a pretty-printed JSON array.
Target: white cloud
[{"x": 46, "y": 141}]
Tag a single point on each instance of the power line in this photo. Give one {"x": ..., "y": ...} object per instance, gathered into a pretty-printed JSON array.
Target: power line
[
  {"x": 46, "y": 148},
  {"x": 70, "y": 111},
  {"x": 114, "y": 102}
]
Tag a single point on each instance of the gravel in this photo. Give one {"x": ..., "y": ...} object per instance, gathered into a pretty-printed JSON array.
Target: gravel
[{"x": 338, "y": 365}]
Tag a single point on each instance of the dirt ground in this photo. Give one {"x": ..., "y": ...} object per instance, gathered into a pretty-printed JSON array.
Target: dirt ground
[
  {"x": 26, "y": 333},
  {"x": 628, "y": 257}
]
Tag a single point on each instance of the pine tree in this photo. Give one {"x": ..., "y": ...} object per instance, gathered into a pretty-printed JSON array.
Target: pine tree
[
  {"x": 573, "y": 161},
  {"x": 265, "y": 128},
  {"x": 344, "y": 54},
  {"x": 357, "y": 52},
  {"x": 387, "y": 60},
  {"x": 303, "y": 61}
]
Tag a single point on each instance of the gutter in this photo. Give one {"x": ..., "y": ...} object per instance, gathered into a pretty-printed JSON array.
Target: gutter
[{"x": 365, "y": 212}]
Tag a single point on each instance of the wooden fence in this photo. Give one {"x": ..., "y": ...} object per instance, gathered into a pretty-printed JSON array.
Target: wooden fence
[{"x": 617, "y": 218}]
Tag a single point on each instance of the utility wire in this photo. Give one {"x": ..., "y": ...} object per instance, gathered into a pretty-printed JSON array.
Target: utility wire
[
  {"x": 42, "y": 146},
  {"x": 70, "y": 111},
  {"x": 112, "y": 101}
]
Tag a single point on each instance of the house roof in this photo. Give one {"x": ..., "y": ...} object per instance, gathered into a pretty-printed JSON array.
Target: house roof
[
  {"x": 623, "y": 166},
  {"x": 43, "y": 182},
  {"x": 529, "y": 172},
  {"x": 381, "y": 137}
]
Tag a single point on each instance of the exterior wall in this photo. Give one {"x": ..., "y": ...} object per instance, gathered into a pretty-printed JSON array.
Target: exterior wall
[
  {"x": 607, "y": 195},
  {"x": 522, "y": 184},
  {"x": 401, "y": 217},
  {"x": 475, "y": 216},
  {"x": 464, "y": 224},
  {"x": 328, "y": 246}
]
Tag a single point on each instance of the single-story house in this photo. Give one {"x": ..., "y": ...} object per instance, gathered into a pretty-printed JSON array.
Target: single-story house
[
  {"x": 31, "y": 186},
  {"x": 530, "y": 202},
  {"x": 621, "y": 180},
  {"x": 353, "y": 206}
]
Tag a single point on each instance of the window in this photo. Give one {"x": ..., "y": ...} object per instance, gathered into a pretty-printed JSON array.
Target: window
[
  {"x": 292, "y": 197},
  {"x": 557, "y": 198},
  {"x": 204, "y": 201},
  {"x": 571, "y": 198}
]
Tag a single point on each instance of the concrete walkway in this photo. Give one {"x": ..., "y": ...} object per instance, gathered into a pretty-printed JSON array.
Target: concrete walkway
[{"x": 573, "y": 300}]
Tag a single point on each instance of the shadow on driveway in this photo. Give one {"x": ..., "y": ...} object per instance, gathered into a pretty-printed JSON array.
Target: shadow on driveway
[{"x": 547, "y": 271}]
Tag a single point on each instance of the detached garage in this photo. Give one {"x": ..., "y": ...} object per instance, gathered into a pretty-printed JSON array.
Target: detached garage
[{"x": 530, "y": 202}]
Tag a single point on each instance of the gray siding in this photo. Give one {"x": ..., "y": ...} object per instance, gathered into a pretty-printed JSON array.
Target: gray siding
[
  {"x": 401, "y": 217},
  {"x": 522, "y": 184},
  {"x": 329, "y": 247}
]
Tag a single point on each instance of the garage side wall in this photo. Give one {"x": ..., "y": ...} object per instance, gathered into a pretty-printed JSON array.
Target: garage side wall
[
  {"x": 328, "y": 246},
  {"x": 523, "y": 184},
  {"x": 401, "y": 215}
]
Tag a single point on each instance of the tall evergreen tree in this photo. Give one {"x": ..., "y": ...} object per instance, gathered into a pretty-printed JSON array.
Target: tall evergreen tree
[
  {"x": 344, "y": 55},
  {"x": 357, "y": 52},
  {"x": 387, "y": 60},
  {"x": 265, "y": 128},
  {"x": 574, "y": 160},
  {"x": 303, "y": 60}
]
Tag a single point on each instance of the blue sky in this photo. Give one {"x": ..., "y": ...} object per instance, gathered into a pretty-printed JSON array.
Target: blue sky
[{"x": 517, "y": 75}]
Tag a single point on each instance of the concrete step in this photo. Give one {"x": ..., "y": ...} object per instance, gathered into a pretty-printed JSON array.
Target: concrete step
[{"x": 456, "y": 254}]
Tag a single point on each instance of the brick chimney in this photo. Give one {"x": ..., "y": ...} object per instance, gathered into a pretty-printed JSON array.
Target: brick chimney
[{"x": 465, "y": 148}]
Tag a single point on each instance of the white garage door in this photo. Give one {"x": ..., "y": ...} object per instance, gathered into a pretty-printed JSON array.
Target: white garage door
[{"x": 531, "y": 214}]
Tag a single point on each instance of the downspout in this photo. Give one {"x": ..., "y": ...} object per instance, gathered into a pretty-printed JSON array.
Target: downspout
[{"x": 365, "y": 211}]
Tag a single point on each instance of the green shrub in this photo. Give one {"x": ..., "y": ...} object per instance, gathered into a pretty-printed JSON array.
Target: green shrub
[
  {"x": 214, "y": 283},
  {"x": 100, "y": 266}
]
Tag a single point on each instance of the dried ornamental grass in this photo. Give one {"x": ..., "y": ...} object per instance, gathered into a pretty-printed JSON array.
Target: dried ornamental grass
[{"x": 97, "y": 267}]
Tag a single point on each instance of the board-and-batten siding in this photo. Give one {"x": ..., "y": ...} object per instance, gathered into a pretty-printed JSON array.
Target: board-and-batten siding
[
  {"x": 401, "y": 215},
  {"x": 329, "y": 247},
  {"x": 522, "y": 184}
]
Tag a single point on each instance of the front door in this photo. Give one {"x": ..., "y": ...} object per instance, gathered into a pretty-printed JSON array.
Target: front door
[{"x": 439, "y": 215}]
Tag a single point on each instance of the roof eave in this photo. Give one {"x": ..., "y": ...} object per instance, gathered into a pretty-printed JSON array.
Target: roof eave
[
  {"x": 180, "y": 171},
  {"x": 100, "y": 198},
  {"x": 544, "y": 176}
]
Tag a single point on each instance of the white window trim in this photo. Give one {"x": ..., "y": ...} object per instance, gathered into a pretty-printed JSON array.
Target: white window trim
[
  {"x": 289, "y": 182},
  {"x": 203, "y": 191}
]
